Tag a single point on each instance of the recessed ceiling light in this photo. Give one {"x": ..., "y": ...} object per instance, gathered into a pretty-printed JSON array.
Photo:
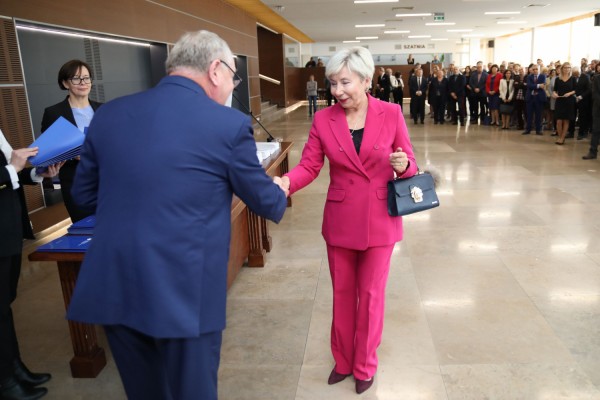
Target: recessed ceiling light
[
  {"x": 393, "y": 32},
  {"x": 472, "y": 35},
  {"x": 369, "y": 26},
  {"x": 459, "y": 30},
  {"x": 502, "y": 12},
  {"x": 419, "y": 36},
  {"x": 375, "y": 1},
  {"x": 511, "y": 22},
  {"x": 414, "y": 15},
  {"x": 440, "y": 23},
  {"x": 439, "y": 39},
  {"x": 351, "y": 41},
  {"x": 367, "y": 37}
]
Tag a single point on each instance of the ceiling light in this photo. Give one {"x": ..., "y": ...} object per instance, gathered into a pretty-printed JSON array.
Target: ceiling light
[
  {"x": 367, "y": 37},
  {"x": 472, "y": 35},
  {"x": 369, "y": 26},
  {"x": 510, "y": 22},
  {"x": 440, "y": 39},
  {"x": 393, "y": 32},
  {"x": 375, "y": 1},
  {"x": 440, "y": 23},
  {"x": 351, "y": 41},
  {"x": 459, "y": 30},
  {"x": 419, "y": 36},
  {"x": 502, "y": 12},
  {"x": 414, "y": 15}
]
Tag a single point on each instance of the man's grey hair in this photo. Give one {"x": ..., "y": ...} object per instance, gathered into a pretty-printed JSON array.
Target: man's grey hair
[
  {"x": 197, "y": 50},
  {"x": 357, "y": 59}
]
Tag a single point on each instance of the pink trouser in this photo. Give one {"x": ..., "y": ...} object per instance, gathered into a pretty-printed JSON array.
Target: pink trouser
[{"x": 359, "y": 278}]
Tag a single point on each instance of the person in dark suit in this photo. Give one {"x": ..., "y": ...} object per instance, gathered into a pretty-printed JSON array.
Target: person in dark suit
[
  {"x": 16, "y": 381},
  {"x": 593, "y": 152},
  {"x": 417, "y": 86},
  {"x": 583, "y": 98},
  {"x": 155, "y": 275},
  {"x": 477, "y": 87},
  {"x": 384, "y": 85},
  {"x": 456, "y": 87},
  {"x": 438, "y": 89},
  {"x": 76, "y": 77},
  {"x": 535, "y": 98}
]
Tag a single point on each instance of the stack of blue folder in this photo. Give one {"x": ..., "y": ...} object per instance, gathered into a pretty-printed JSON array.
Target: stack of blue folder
[
  {"x": 67, "y": 244},
  {"x": 60, "y": 142},
  {"x": 83, "y": 227},
  {"x": 77, "y": 240}
]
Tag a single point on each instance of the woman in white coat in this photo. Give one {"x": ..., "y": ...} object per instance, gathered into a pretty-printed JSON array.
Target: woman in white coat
[{"x": 507, "y": 94}]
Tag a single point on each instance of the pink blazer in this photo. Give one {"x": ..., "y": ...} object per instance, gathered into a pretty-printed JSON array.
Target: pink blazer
[{"x": 355, "y": 215}]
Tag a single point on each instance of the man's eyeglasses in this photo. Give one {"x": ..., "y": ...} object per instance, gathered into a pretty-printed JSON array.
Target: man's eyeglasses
[
  {"x": 77, "y": 80},
  {"x": 236, "y": 78}
]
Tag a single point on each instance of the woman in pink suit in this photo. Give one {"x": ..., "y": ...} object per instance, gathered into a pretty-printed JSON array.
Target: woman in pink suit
[{"x": 365, "y": 141}]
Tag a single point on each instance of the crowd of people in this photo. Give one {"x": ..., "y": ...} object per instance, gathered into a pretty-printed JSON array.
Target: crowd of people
[{"x": 556, "y": 97}]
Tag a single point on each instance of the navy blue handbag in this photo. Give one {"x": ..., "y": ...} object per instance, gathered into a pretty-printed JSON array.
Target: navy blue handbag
[{"x": 410, "y": 195}]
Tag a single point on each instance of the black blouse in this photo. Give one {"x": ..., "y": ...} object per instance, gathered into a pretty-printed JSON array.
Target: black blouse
[{"x": 357, "y": 136}]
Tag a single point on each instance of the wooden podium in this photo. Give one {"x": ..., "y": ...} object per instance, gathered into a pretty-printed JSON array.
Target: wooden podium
[{"x": 250, "y": 241}]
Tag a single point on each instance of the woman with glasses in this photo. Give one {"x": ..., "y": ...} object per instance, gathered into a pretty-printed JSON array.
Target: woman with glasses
[{"x": 76, "y": 77}]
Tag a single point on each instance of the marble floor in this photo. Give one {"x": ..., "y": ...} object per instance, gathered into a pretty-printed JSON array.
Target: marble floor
[{"x": 493, "y": 295}]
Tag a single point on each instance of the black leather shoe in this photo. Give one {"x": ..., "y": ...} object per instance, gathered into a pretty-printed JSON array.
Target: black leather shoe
[
  {"x": 590, "y": 156},
  {"x": 580, "y": 137},
  {"x": 539, "y": 133},
  {"x": 334, "y": 377},
  {"x": 362, "y": 386},
  {"x": 526, "y": 133},
  {"x": 27, "y": 377},
  {"x": 12, "y": 389},
  {"x": 569, "y": 136}
]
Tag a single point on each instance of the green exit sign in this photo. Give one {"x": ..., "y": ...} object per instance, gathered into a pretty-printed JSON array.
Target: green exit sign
[{"x": 438, "y": 17}]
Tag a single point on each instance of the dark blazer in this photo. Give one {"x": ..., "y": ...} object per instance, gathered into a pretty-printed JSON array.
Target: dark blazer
[
  {"x": 596, "y": 102},
  {"x": 14, "y": 219},
  {"x": 479, "y": 84},
  {"x": 583, "y": 88},
  {"x": 67, "y": 172},
  {"x": 540, "y": 94},
  {"x": 160, "y": 168},
  {"x": 414, "y": 87},
  {"x": 439, "y": 88},
  {"x": 456, "y": 85}
]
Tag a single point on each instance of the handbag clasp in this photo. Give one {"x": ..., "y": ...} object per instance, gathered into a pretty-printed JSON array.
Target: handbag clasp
[{"x": 416, "y": 193}]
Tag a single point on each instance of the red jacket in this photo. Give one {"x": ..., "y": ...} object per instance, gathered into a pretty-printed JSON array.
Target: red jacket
[
  {"x": 488, "y": 83},
  {"x": 355, "y": 215}
]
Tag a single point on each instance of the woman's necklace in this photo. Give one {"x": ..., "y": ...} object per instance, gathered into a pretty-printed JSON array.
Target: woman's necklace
[{"x": 355, "y": 126}]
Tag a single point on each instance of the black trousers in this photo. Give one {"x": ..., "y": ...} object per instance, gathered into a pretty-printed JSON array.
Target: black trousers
[
  {"x": 480, "y": 106},
  {"x": 453, "y": 104},
  {"x": 10, "y": 269},
  {"x": 439, "y": 107},
  {"x": 166, "y": 369},
  {"x": 595, "y": 136},
  {"x": 417, "y": 108}
]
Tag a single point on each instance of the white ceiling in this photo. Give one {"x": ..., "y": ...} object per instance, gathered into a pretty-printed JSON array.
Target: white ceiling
[{"x": 335, "y": 20}]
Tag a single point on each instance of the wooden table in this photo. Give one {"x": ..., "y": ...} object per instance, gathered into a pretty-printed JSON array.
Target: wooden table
[{"x": 250, "y": 241}]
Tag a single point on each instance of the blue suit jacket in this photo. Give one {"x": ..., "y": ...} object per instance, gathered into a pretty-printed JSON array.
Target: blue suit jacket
[
  {"x": 159, "y": 169},
  {"x": 540, "y": 95}
]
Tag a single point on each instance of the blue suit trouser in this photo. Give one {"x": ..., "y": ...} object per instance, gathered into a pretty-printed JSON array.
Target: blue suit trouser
[
  {"x": 166, "y": 369},
  {"x": 534, "y": 107}
]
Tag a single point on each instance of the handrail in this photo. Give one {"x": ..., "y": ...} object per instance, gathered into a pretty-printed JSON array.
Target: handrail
[{"x": 266, "y": 78}]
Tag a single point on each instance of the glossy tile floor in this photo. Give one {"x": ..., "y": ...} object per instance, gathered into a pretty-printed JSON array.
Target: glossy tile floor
[{"x": 494, "y": 295}]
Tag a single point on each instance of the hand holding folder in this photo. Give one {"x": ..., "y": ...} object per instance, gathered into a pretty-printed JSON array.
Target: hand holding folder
[{"x": 60, "y": 142}]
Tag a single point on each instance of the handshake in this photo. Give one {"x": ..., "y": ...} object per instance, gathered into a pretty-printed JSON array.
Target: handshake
[{"x": 283, "y": 183}]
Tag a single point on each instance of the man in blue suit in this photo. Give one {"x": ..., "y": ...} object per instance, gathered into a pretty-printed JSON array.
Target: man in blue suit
[
  {"x": 159, "y": 169},
  {"x": 535, "y": 97}
]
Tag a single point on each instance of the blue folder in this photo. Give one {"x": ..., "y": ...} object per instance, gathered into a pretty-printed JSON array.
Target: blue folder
[
  {"x": 67, "y": 244},
  {"x": 83, "y": 227},
  {"x": 60, "y": 142}
]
